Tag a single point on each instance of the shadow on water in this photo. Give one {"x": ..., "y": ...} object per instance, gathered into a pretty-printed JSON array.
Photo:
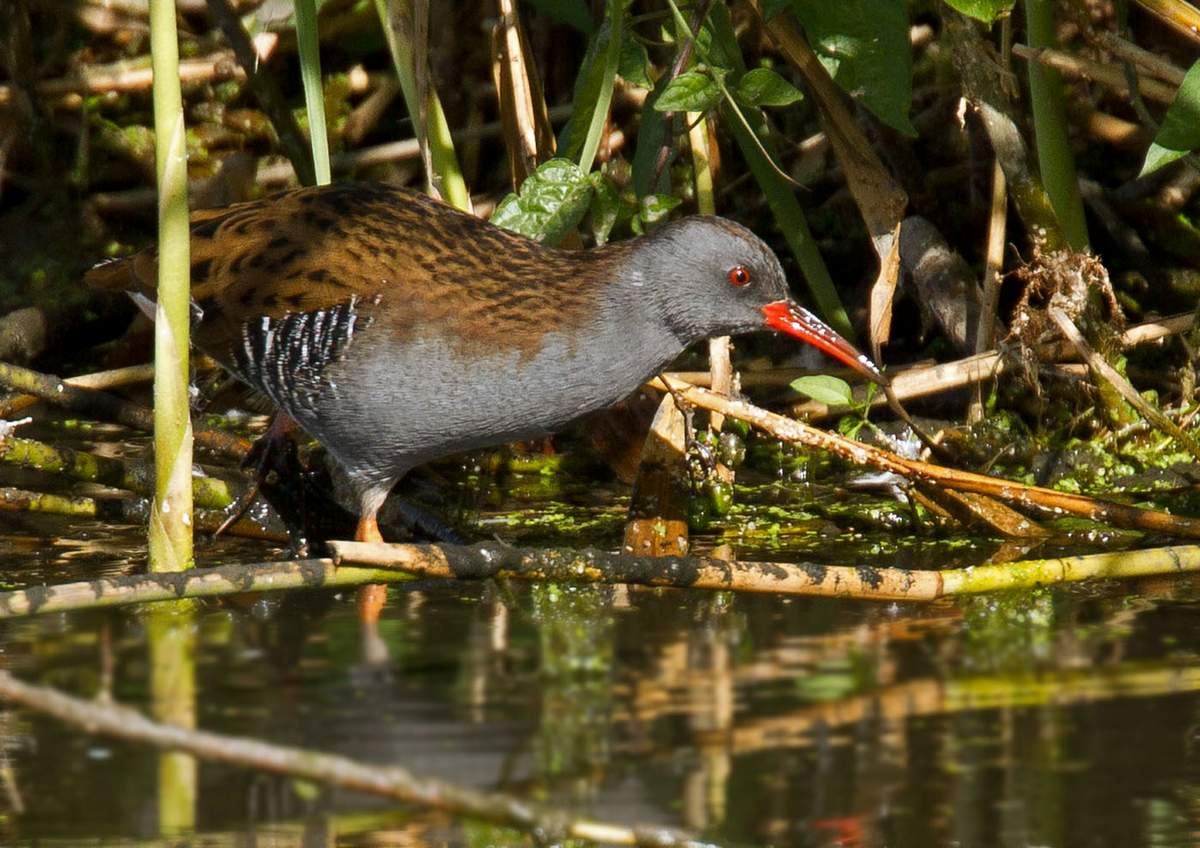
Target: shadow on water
[{"x": 1054, "y": 717}]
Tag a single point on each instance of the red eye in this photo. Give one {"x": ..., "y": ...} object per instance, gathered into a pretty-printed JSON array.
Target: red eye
[{"x": 739, "y": 276}]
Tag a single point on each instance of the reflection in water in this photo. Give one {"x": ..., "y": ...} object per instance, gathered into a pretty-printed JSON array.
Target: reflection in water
[
  {"x": 170, "y": 636},
  {"x": 1053, "y": 718}
]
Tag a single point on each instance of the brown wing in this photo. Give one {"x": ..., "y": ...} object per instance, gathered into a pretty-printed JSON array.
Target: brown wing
[
  {"x": 428, "y": 265},
  {"x": 300, "y": 251}
]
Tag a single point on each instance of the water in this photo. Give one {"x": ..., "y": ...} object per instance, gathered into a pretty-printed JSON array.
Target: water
[{"x": 1062, "y": 717}]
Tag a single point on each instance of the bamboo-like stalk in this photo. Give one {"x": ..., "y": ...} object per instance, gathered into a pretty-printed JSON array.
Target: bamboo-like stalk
[
  {"x": 1055, "y": 160},
  {"x": 393, "y": 781},
  {"x": 171, "y": 515},
  {"x": 314, "y": 95},
  {"x": 171, "y": 643}
]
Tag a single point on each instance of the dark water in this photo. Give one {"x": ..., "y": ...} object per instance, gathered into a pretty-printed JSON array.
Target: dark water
[{"x": 1064, "y": 717}]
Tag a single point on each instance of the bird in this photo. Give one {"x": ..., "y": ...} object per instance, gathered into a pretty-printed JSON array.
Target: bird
[{"x": 396, "y": 330}]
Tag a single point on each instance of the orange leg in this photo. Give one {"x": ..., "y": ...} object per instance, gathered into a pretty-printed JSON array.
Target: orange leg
[{"x": 371, "y": 598}]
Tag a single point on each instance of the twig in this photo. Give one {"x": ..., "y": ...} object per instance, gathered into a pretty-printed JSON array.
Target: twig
[
  {"x": 994, "y": 262},
  {"x": 137, "y": 75},
  {"x": 1152, "y": 63},
  {"x": 1115, "y": 514},
  {"x": 1110, "y": 76},
  {"x": 1102, "y": 370},
  {"x": 391, "y": 782},
  {"x": 107, "y": 407},
  {"x": 209, "y": 492},
  {"x": 927, "y": 380},
  {"x": 125, "y": 511}
]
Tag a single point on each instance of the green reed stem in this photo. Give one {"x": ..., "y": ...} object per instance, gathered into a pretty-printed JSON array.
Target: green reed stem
[{"x": 170, "y": 535}]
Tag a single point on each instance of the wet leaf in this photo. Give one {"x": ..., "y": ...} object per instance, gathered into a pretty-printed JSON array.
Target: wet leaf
[
  {"x": 605, "y": 207},
  {"x": 691, "y": 91},
  {"x": 551, "y": 202}
]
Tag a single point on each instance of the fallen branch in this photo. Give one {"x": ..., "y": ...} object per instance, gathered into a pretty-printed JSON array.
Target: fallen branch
[
  {"x": 1009, "y": 491},
  {"x": 362, "y": 563},
  {"x": 392, "y": 782},
  {"x": 857, "y": 581}
]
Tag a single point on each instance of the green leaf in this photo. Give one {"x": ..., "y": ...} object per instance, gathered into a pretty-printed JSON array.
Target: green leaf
[
  {"x": 691, "y": 91},
  {"x": 634, "y": 66},
  {"x": 1180, "y": 130},
  {"x": 606, "y": 206},
  {"x": 982, "y": 10},
  {"x": 865, "y": 46},
  {"x": 824, "y": 389},
  {"x": 551, "y": 202},
  {"x": 764, "y": 87}
]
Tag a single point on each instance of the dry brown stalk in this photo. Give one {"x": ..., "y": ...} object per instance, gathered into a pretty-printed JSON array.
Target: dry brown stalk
[
  {"x": 1110, "y": 76},
  {"x": 1103, "y": 371},
  {"x": 921, "y": 381},
  {"x": 1009, "y": 491},
  {"x": 857, "y": 581},
  {"x": 363, "y": 563},
  {"x": 1151, "y": 63},
  {"x": 108, "y": 407},
  {"x": 110, "y": 379}
]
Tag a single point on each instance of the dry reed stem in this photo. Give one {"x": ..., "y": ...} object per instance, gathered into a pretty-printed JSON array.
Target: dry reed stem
[{"x": 787, "y": 429}]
